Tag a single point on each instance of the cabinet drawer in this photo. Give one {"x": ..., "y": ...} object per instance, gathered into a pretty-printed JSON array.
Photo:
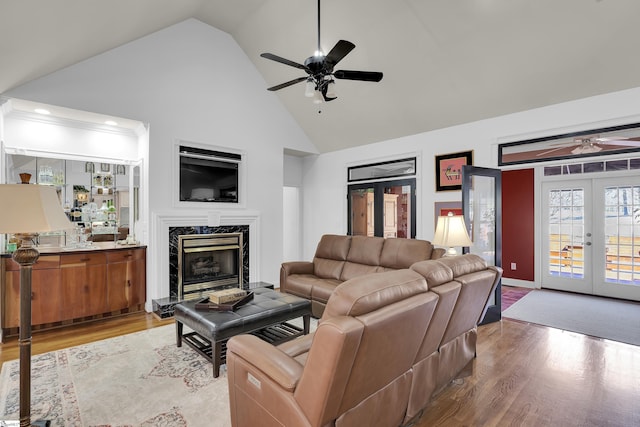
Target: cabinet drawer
[
  {"x": 125, "y": 255},
  {"x": 83, "y": 258},
  {"x": 43, "y": 263}
]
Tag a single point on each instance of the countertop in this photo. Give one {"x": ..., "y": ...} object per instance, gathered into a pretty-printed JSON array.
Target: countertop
[{"x": 95, "y": 246}]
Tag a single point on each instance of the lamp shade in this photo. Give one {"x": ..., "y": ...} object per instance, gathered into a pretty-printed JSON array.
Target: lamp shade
[
  {"x": 31, "y": 209},
  {"x": 451, "y": 231}
]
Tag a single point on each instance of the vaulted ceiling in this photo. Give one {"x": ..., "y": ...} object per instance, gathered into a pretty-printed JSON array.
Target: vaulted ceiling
[{"x": 444, "y": 62}]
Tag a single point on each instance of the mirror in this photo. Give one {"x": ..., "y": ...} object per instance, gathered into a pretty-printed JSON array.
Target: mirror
[{"x": 94, "y": 195}]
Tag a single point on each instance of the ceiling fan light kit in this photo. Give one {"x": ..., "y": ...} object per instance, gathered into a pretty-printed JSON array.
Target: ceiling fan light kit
[{"x": 320, "y": 83}]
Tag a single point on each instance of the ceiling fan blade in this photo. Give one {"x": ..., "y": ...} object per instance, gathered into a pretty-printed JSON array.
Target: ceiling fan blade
[
  {"x": 324, "y": 90},
  {"x": 339, "y": 51},
  {"x": 287, "y": 84},
  {"x": 368, "y": 76},
  {"x": 284, "y": 61}
]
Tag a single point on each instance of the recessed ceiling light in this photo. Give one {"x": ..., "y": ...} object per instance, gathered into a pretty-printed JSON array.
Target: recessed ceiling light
[
  {"x": 42, "y": 111},
  {"x": 111, "y": 123}
]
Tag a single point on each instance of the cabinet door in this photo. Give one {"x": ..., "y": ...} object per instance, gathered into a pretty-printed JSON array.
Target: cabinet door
[
  {"x": 46, "y": 297},
  {"x": 126, "y": 276},
  {"x": 45, "y": 293},
  {"x": 84, "y": 285}
]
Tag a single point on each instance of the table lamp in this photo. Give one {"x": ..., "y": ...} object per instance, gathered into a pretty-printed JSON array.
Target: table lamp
[
  {"x": 451, "y": 232},
  {"x": 28, "y": 210}
]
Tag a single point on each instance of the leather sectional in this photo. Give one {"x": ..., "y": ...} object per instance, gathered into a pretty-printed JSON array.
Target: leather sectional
[
  {"x": 340, "y": 258},
  {"x": 385, "y": 344}
]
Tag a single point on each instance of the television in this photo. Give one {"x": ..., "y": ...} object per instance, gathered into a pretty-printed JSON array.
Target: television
[{"x": 208, "y": 175}]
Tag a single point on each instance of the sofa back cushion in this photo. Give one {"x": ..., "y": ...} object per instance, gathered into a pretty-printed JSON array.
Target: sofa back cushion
[
  {"x": 364, "y": 294},
  {"x": 363, "y": 257},
  {"x": 435, "y": 272},
  {"x": 330, "y": 256},
  {"x": 401, "y": 253},
  {"x": 464, "y": 264}
]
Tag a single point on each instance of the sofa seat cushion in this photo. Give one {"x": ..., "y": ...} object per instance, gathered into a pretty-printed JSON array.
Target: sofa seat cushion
[
  {"x": 352, "y": 270},
  {"x": 303, "y": 285},
  {"x": 322, "y": 290}
]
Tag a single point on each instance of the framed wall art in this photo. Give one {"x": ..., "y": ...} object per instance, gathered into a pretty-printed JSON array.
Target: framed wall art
[
  {"x": 449, "y": 170},
  {"x": 443, "y": 209}
]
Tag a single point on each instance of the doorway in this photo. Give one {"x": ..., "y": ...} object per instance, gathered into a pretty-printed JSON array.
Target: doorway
[
  {"x": 591, "y": 236},
  {"x": 384, "y": 209}
]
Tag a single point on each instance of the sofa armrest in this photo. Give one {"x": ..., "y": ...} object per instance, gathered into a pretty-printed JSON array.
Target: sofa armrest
[
  {"x": 293, "y": 267},
  {"x": 297, "y": 267},
  {"x": 275, "y": 364},
  {"x": 438, "y": 253}
]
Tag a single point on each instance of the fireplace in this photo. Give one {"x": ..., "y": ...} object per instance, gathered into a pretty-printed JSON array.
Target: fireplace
[
  {"x": 162, "y": 285},
  {"x": 198, "y": 238},
  {"x": 209, "y": 262}
]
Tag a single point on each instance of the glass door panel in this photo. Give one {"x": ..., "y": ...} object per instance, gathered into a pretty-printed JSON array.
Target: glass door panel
[
  {"x": 361, "y": 215},
  {"x": 617, "y": 253},
  {"x": 566, "y": 231},
  {"x": 385, "y": 209},
  {"x": 397, "y": 210},
  {"x": 482, "y": 208}
]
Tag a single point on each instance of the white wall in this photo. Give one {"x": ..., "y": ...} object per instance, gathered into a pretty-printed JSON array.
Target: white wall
[
  {"x": 190, "y": 82},
  {"x": 325, "y": 182},
  {"x": 67, "y": 139}
]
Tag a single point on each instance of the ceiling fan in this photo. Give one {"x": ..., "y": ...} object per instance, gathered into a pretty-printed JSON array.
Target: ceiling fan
[{"x": 319, "y": 67}]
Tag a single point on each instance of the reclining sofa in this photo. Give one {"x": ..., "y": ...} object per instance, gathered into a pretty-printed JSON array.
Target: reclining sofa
[
  {"x": 386, "y": 343},
  {"x": 340, "y": 258}
]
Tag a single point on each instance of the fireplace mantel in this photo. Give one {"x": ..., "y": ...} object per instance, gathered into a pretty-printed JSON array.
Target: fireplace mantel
[{"x": 158, "y": 264}]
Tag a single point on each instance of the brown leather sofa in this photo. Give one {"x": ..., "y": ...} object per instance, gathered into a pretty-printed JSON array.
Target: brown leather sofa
[
  {"x": 384, "y": 345},
  {"x": 340, "y": 258}
]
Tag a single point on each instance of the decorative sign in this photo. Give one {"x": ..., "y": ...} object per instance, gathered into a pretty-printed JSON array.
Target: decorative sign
[{"x": 449, "y": 170}]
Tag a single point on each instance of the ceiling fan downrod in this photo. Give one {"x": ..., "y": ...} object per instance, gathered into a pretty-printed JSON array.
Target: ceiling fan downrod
[{"x": 318, "y": 51}]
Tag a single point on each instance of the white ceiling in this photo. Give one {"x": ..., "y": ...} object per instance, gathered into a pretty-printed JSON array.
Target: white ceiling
[{"x": 444, "y": 62}]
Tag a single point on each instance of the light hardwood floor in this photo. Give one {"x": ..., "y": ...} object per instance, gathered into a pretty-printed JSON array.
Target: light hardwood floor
[{"x": 524, "y": 375}]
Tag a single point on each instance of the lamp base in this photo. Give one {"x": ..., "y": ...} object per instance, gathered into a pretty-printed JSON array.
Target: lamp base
[{"x": 451, "y": 252}]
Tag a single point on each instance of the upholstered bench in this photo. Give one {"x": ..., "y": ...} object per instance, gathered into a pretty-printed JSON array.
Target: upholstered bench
[{"x": 266, "y": 316}]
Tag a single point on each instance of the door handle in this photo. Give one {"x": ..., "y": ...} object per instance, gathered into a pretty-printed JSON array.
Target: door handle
[{"x": 588, "y": 243}]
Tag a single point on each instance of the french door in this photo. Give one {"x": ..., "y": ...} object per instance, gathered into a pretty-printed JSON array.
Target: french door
[
  {"x": 482, "y": 208},
  {"x": 591, "y": 236},
  {"x": 385, "y": 209}
]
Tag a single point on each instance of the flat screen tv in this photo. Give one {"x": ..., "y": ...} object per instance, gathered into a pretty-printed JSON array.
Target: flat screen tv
[{"x": 208, "y": 175}]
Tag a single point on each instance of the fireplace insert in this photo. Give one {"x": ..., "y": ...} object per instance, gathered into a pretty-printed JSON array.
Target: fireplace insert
[{"x": 208, "y": 262}]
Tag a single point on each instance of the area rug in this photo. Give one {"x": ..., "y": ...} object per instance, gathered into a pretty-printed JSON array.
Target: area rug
[
  {"x": 511, "y": 295},
  {"x": 600, "y": 317},
  {"x": 141, "y": 379}
]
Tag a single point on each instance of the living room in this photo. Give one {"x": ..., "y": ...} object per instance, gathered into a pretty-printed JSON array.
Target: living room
[{"x": 192, "y": 82}]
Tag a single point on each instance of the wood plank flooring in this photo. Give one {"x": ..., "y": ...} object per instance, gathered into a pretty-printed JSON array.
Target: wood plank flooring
[{"x": 525, "y": 375}]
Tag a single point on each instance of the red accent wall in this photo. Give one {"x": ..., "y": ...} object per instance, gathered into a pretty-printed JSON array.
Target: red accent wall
[{"x": 517, "y": 224}]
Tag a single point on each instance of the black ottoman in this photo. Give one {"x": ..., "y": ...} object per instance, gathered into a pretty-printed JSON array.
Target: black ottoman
[{"x": 266, "y": 316}]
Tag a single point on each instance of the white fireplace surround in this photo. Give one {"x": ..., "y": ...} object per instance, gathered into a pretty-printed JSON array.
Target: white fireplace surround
[{"x": 158, "y": 262}]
